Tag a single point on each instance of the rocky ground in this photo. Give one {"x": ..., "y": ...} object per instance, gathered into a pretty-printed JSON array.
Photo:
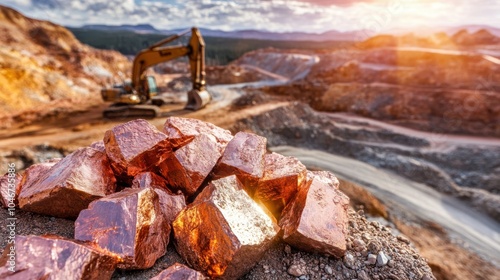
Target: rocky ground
[{"x": 368, "y": 243}]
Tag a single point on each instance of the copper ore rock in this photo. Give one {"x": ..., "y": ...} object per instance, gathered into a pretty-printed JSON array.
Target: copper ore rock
[
  {"x": 315, "y": 220},
  {"x": 181, "y": 131},
  {"x": 188, "y": 166},
  {"x": 134, "y": 147},
  {"x": 281, "y": 180},
  {"x": 244, "y": 157},
  {"x": 10, "y": 184},
  {"x": 171, "y": 204},
  {"x": 69, "y": 186},
  {"x": 52, "y": 257},
  {"x": 98, "y": 145},
  {"x": 179, "y": 271},
  {"x": 129, "y": 224},
  {"x": 223, "y": 233}
]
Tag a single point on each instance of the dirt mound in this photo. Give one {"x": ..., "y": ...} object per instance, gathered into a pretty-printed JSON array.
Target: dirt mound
[{"x": 45, "y": 67}]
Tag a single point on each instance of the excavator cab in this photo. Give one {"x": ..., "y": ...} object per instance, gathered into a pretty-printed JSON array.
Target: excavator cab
[{"x": 141, "y": 94}]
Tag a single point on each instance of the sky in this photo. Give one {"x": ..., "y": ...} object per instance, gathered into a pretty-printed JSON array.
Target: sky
[{"x": 313, "y": 16}]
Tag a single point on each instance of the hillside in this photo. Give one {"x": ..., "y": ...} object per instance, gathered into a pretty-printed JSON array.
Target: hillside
[{"x": 45, "y": 69}]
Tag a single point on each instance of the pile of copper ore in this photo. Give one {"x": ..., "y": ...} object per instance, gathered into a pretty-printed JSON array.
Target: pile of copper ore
[{"x": 224, "y": 197}]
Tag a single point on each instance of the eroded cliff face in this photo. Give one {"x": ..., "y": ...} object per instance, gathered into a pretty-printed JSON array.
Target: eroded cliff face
[{"x": 44, "y": 67}]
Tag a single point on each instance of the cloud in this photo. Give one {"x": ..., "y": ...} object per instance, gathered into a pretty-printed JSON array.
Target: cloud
[
  {"x": 342, "y": 3},
  {"x": 272, "y": 15}
]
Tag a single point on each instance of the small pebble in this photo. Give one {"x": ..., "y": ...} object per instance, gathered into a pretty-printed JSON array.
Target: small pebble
[
  {"x": 349, "y": 260},
  {"x": 362, "y": 275},
  {"x": 295, "y": 270},
  {"x": 372, "y": 259},
  {"x": 382, "y": 259},
  {"x": 328, "y": 270}
]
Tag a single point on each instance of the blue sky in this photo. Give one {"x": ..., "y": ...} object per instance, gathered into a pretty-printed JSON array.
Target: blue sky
[{"x": 272, "y": 15}]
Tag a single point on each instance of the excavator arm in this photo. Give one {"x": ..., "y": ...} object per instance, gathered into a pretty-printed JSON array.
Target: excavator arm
[
  {"x": 132, "y": 98},
  {"x": 158, "y": 53}
]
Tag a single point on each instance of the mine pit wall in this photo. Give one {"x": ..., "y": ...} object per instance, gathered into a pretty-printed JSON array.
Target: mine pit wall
[
  {"x": 471, "y": 112},
  {"x": 468, "y": 172}
]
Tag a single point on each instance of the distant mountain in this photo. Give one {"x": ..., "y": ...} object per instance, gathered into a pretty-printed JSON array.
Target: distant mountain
[
  {"x": 331, "y": 35},
  {"x": 139, "y": 28},
  {"x": 239, "y": 34}
]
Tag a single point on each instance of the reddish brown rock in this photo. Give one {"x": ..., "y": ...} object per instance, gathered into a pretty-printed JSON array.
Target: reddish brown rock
[
  {"x": 99, "y": 145},
  {"x": 51, "y": 257},
  {"x": 9, "y": 189},
  {"x": 282, "y": 178},
  {"x": 223, "y": 233},
  {"x": 69, "y": 186},
  {"x": 181, "y": 131},
  {"x": 179, "y": 272},
  {"x": 243, "y": 157},
  {"x": 315, "y": 220},
  {"x": 10, "y": 185},
  {"x": 188, "y": 166},
  {"x": 130, "y": 224},
  {"x": 134, "y": 147},
  {"x": 171, "y": 204}
]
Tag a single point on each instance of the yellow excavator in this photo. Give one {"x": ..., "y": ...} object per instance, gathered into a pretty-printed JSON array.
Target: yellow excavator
[{"x": 139, "y": 98}]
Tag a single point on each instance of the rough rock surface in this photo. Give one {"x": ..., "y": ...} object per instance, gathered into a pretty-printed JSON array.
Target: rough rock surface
[
  {"x": 171, "y": 204},
  {"x": 189, "y": 166},
  {"x": 98, "y": 145},
  {"x": 316, "y": 218},
  {"x": 9, "y": 190},
  {"x": 243, "y": 157},
  {"x": 129, "y": 224},
  {"x": 70, "y": 185},
  {"x": 281, "y": 179},
  {"x": 181, "y": 131},
  {"x": 52, "y": 257},
  {"x": 223, "y": 233},
  {"x": 27, "y": 178},
  {"x": 179, "y": 272},
  {"x": 134, "y": 147}
]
